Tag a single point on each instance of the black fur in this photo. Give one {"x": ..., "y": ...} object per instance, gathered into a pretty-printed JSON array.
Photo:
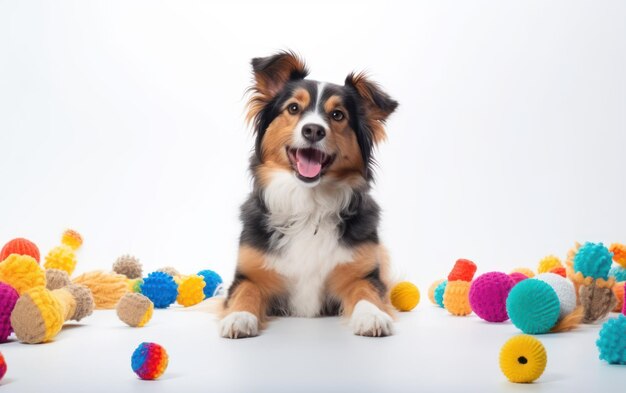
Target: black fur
[
  {"x": 359, "y": 222},
  {"x": 374, "y": 278}
]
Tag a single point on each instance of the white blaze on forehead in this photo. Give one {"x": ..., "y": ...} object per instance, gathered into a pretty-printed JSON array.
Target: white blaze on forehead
[{"x": 316, "y": 116}]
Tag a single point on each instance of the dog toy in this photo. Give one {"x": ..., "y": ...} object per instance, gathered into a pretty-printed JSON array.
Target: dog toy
[
  {"x": 618, "y": 272},
  {"x": 591, "y": 267},
  {"x": 624, "y": 301},
  {"x": 618, "y": 292},
  {"x": 129, "y": 266},
  {"x": 517, "y": 277},
  {"x": 431, "y": 291},
  {"x": 134, "y": 284},
  {"x": 213, "y": 283},
  {"x": 487, "y": 296},
  {"x": 20, "y": 246},
  {"x": 619, "y": 253},
  {"x": 525, "y": 271},
  {"x": 549, "y": 263},
  {"x": 439, "y": 291},
  {"x": 72, "y": 239},
  {"x": 523, "y": 359},
  {"x": 160, "y": 288},
  {"x": 169, "y": 271},
  {"x": 456, "y": 295},
  {"x": 8, "y": 298},
  {"x": 39, "y": 313},
  {"x": 56, "y": 278},
  {"x": 107, "y": 288},
  {"x": 22, "y": 272},
  {"x": 134, "y": 309},
  {"x": 405, "y": 296},
  {"x": 63, "y": 257},
  {"x": 612, "y": 341},
  {"x": 190, "y": 290},
  {"x": 533, "y": 306},
  {"x": 564, "y": 290},
  {"x": 3, "y": 367},
  {"x": 149, "y": 361},
  {"x": 559, "y": 271}
]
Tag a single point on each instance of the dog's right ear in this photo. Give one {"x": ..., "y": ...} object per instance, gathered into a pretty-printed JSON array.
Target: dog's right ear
[{"x": 270, "y": 76}]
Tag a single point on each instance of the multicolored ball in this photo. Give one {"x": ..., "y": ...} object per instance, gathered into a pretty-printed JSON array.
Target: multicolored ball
[
  {"x": 487, "y": 296},
  {"x": 523, "y": 359},
  {"x": 20, "y": 246},
  {"x": 533, "y": 306},
  {"x": 213, "y": 282},
  {"x": 612, "y": 340},
  {"x": 405, "y": 296},
  {"x": 149, "y": 361},
  {"x": 160, "y": 288},
  {"x": 8, "y": 298}
]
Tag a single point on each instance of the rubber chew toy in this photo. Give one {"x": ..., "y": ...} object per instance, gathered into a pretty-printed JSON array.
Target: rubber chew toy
[
  {"x": 20, "y": 246},
  {"x": 431, "y": 290},
  {"x": 8, "y": 298},
  {"x": 22, "y": 272},
  {"x": 456, "y": 295},
  {"x": 612, "y": 341},
  {"x": 135, "y": 309},
  {"x": 39, "y": 313},
  {"x": 523, "y": 359},
  {"x": 213, "y": 283},
  {"x": 107, "y": 288},
  {"x": 63, "y": 257},
  {"x": 533, "y": 306},
  {"x": 160, "y": 288},
  {"x": 405, "y": 296},
  {"x": 190, "y": 290},
  {"x": 129, "y": 266},
  {"x": 591, "y": 267},
  {"x": 487, "y": 296},
  {"x": 149, "y": 361}
]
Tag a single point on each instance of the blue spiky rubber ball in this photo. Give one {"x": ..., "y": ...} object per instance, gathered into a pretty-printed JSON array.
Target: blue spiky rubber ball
[
  {"x": 213, "y": 282},
  {"x": 160, "y": 288},
  {"x": 593, "y": 260},
  {"x": 612, "y": 341},
  {"x": 533, "y": 306},
  {"x": 439, "y": 291}
]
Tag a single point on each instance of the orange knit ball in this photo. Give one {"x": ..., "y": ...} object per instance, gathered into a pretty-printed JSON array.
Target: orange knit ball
[
  {"x": 619, "y": 253},
  {"x": 463, "y": 270},
  {"x": 20, "y": 246}
]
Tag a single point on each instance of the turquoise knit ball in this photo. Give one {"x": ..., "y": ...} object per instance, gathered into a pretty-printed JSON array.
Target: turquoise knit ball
[
  {"x": 612, "y": 341},
  {"x": 593, "y": 260},
  {"x": 533, "y": 306},
  {"x": 441, "y": 288},
  {"x": 618, "y": 272}
]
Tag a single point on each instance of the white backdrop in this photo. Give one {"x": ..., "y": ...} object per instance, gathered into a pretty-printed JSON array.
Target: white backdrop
[{"x": 124, "y": 120}]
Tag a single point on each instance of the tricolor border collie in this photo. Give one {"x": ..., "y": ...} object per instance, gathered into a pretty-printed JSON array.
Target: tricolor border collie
[{"x": 309, "y": 244}]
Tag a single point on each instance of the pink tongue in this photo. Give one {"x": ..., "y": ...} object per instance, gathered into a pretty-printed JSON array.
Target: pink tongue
[{"x": 308, "y": 166}]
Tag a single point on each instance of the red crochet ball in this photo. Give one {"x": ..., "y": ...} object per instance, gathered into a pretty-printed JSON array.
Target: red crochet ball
[
  {"x": 20, "y": 246},
  {"x": 487, "y": 296},
  {"x": 463, "y": 270}
]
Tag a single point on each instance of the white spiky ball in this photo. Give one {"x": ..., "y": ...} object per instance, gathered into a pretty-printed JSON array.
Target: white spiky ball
[{"x": 564, "y": 289}]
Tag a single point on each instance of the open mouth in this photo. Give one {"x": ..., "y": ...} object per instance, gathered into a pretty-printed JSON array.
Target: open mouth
[{"x": 309, "y": 163}]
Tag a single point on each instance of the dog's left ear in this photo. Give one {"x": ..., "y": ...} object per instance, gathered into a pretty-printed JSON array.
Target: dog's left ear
[{"x": 378, "y": 104}]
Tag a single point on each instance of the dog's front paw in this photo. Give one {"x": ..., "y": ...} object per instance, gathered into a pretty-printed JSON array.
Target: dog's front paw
[
  {"x": 239, "y": 324},
  {"x": 369, "y": 320}
]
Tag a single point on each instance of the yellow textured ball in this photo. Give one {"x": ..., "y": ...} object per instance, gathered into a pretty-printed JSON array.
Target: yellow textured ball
[
  {"x": 72, "y": 239},
  {"x": 61, "y": 257},
  {"x": 523, "y": 359},
  {"x": 22, "y": 272},
  {"x": 405, "y": 296},
  {"x": 456, "y": 298},
  {"x": 549, "y": 263},
  {"x": 190, "y": 290}
]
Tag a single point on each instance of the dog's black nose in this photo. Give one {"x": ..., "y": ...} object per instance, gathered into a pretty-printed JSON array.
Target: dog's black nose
[{"x": 313, "y": 132}]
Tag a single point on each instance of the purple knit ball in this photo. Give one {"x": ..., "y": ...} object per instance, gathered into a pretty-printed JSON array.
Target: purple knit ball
[
  {"x": 8, "y": 298},
  {"x": 517, "y": 277},
  {"x": 487, "y": 296}
]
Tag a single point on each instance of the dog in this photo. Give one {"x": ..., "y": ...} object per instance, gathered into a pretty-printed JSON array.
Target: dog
[{"x": 309, "y": 245}]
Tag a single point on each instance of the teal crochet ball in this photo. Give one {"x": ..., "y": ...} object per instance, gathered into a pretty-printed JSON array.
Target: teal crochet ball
[
  {"x": 612, "y": 341},
  {"x": 441, "y": 288},
  {"x": 593, "y": 260},
  {"x": 618, "y": 272},
  {"x": 533, "y": 306}
]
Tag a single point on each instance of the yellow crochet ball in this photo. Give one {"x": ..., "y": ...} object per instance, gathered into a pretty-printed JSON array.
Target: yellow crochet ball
[
  {"x": 37, "y": 316},
  {"x": 405, "y": 296},
  {"x": 61, "y": 257},
  {"x": 548, "y": 263},
  {"x": 190, "y": 290},
  {"x": 22, "y": 272},
  {"x": 72, "y": 239},
  {"x": 523, "y": 359}
]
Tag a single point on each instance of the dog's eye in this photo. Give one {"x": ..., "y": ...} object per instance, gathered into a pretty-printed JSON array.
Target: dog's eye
[
  {"x": 337, "y": 115},
  {"x": 293, "y": 108}
]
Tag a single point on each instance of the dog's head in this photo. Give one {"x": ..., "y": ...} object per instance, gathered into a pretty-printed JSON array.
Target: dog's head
[{"x": 314, "y": 129}]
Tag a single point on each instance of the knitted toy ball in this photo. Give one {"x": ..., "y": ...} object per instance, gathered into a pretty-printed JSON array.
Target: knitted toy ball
[
  {"x": 160, "y": 288},
  {"x": 37, "y": 316},
  {"x": 8, "y": 298},
  {"x": 129, "y": 266},
  {"x": 612, "y": 341},
  {"x": 213, "y": 282},
  {"x": 564, "y": 289},
  {"x": 618, "y": 272},
  {"x": 517, "y": 277},
  {"x": 439, "y": 291},
  {"x": 22, "y": 272},
  {"x": 405, "y": 296},
  {"x": 149, "y": 360},
  {"x": 169, "y": 270},
  {"x": 134, "y": 309},
  {"x": 523, "y": 359},
  {"x": 56, "y": 279},
  {"x": 487, "y": 296},
  {"x": 618, "y": 250},
  {"x": 72, "y": 239},
  {"x": 190, "y": 290},
  {"x": 525, "y": 271},
  {"x": 593, "y": 260},
  {"x": 61, "y": 257},
  {"x": 3, "y": 367},
  {"x": 548, "y": 263},
  {"x": 533, "y": 306},
  {"x": 431, "y": 290},
  {"x": 20, "y": 246},
  {"x": 463, "y": 270}
]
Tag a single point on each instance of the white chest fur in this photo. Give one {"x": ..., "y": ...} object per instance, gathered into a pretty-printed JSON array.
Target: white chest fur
[{"x": 306, "y": 240}]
